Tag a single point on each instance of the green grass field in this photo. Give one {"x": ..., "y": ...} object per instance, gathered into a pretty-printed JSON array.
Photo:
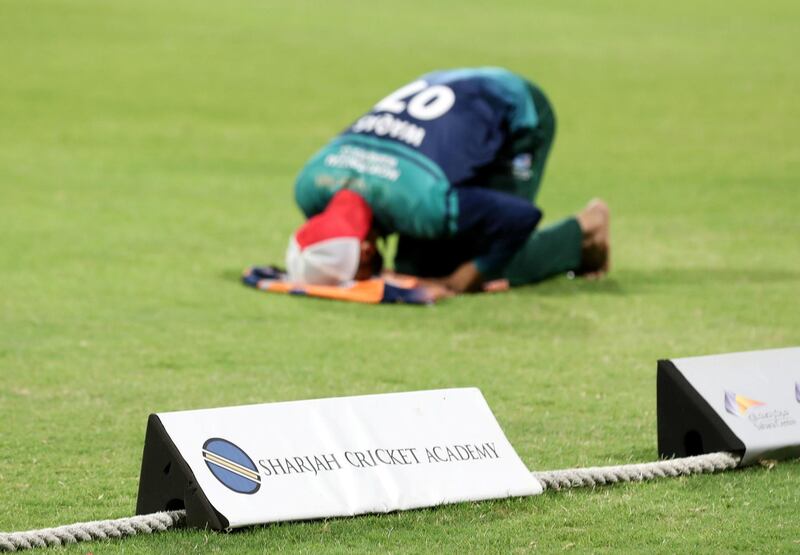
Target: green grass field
[{"x": 147, "y": 155}]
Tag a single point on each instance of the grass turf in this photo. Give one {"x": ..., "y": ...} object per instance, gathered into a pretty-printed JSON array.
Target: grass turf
[{"x": 147, "y": 151}]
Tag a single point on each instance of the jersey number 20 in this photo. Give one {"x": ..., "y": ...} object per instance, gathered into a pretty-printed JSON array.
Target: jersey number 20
[{"x": 419, "y": 100}]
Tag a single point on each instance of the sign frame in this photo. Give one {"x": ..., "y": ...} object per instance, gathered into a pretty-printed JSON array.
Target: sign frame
[
  {"x": 746, "y": 403},
  {"x": 182, "y": 447},
  {"x": 166, "y": 483}
]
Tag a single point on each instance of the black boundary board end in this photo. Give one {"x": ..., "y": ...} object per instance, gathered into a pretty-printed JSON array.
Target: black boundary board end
[
  {"x": 687, "y": 424},
  {"x": 166, "y": 482}
]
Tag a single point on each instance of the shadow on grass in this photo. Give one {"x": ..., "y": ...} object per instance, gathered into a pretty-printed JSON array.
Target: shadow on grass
[
  {"x": 562, "y": 287},
  {"x": 640, "y": 280},
  {"x": 708, "y": 276},
  {"x": 620, "y": 283}
]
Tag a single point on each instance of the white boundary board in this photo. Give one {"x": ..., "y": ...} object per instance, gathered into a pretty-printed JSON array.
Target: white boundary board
[{"x": 347, "y": 456}]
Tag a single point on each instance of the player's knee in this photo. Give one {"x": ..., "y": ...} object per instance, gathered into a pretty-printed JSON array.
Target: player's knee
[{"x": 524, "y": 217}]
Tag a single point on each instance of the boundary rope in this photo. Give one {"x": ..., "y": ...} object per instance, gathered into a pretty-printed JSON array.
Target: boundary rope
[
  {"x": 95, "y": 530},
  {"x": 551, "y": 480},
  {"x": 605, "y": 475}
]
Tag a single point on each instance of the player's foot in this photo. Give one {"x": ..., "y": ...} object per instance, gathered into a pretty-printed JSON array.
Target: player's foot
[{"x": 596, "y": 246}]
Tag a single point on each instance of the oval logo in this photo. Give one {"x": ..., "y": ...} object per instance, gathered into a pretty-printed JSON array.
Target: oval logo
[{"x": 231, "y": 466}]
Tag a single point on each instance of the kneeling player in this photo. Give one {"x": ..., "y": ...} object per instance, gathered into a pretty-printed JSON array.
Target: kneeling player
[{"x": 452, "y": 162}]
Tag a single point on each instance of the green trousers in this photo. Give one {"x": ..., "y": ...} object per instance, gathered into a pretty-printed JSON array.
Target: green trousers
[{"x": 552, "y": 250}]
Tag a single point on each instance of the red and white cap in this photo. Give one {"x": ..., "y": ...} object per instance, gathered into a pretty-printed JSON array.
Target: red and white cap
[{"x": 327, "y": 248}]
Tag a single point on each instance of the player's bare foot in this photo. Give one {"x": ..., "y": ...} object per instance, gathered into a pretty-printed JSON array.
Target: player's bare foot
[{"x": 596, "y": 246}]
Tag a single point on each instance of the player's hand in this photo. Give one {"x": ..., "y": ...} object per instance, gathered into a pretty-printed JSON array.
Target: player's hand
[
  {"x": 496, "y": 285},
  {"x": 434, "y": 292}
]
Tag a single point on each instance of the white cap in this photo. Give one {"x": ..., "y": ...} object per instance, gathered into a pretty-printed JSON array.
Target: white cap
[
  {"x": 326, "y": 250},
  {"x": 329, "y": 262}
]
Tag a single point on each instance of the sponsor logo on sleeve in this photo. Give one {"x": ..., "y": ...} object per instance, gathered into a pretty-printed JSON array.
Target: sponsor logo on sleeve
[
  {"x": 521, "y": 166},
  {"x": 231, "y": 466}
]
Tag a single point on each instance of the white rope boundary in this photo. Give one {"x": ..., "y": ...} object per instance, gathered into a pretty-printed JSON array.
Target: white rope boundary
[
  {"x": 605, "y": 475},
  {"x": 551, "y": 480},
  {"x": 95, "y": 530}
]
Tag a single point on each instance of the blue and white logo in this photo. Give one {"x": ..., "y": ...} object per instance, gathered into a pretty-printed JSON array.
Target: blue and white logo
[{"x": 231, "y": 466}]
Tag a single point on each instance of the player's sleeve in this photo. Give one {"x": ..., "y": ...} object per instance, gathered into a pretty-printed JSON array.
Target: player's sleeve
[{"x": 497, "y": 223}]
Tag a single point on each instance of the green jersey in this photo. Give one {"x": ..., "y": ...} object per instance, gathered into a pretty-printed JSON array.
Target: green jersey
[
  {"x": 407, "y": 192},
  {"x": 424, "y": 157}
]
